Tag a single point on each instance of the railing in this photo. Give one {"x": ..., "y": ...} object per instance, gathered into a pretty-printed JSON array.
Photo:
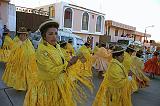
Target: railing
[{"x": 116, "y": 38}]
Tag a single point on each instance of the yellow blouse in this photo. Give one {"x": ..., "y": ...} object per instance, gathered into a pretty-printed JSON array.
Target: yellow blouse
[{"x": 50, "y": 61}]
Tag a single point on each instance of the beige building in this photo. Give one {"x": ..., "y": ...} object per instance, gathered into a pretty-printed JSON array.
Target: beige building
[
  {"x": 118, "y": 31},
  {"x": 88, "y": 24}
]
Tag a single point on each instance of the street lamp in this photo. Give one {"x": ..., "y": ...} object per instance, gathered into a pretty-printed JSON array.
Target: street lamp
[{"x": 146, "y": 31}]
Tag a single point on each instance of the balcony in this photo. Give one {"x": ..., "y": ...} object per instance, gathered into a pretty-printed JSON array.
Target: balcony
[{"x": 116, "y": 38}]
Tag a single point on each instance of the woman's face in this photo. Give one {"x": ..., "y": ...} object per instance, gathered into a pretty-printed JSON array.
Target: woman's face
[
  {"x": 51, "y": 36},
  {"x": 120, "y": 58},
  {"x": 23, "y": 36}
]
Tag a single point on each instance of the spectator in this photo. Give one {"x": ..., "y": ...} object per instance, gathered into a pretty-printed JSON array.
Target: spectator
[{"x": 3, "y": 30}]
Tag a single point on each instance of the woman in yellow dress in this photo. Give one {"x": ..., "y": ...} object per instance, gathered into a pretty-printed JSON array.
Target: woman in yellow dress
[
  {"x": 115, "y": 89},
  {"x": 6, "y": 47},
  {"x": 70, "y": 49},
  {"x": 87, "y": 66},
  {"x": 53, "y": 85},
  {"x": 80, "y": 76},
  {"x": 21, "y": 63},
  {"x": 141, "y": 78},
  {"x": 128, "y": 64}
]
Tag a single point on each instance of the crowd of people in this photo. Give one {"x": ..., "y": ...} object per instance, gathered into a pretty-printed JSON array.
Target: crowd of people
[{"x": 54, "y": 73}]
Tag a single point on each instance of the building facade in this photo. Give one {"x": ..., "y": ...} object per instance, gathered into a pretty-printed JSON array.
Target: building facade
[
  {"x": 118, "y": 31},
  {"x": 88, "y": 24}
]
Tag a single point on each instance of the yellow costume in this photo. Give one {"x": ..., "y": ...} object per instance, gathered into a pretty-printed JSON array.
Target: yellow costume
[
  {"x": 127, "y": 62},
  {"x": 115, "y": 90},
  {"x": 20, "y": 66},
  {"x": 53, "y": 86},
  {"x": 80, "y": 76},
  {"x": 70, "y": 49},
  {"x": 87, "y": 66},
  {"x": 76, "y": 73},
  {"x": 66, "y": 55},
  {"x": 101, "y": 59},
  {"x": 6, "y": 49},
  {"x": 138, "y": 65}
]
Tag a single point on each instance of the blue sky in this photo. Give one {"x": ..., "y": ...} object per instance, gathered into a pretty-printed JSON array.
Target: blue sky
[{"x": 138, "y": 13}]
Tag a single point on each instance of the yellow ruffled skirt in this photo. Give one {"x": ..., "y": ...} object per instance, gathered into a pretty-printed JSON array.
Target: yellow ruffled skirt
[
  {"x": 56, "y": 92},
  {"x": 19, "y": 70},
  {"x": 134, "y": 84},
  {"x": 80, "y": 77},
  {"x": 110, "y": 96}
]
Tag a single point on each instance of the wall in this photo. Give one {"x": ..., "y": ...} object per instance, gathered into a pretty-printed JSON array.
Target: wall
[
  {"x": 77, "y": 23},
  {"x": 12, "y": 18},
  {"x": 30, "y": 21},
  {"x": 4, "y": 13}
]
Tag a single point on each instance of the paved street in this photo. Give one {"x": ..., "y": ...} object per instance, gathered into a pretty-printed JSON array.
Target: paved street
[{"x": 145, "y": 97}]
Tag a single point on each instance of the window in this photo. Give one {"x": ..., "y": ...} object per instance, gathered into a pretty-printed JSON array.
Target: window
[
  {"x": 116, "y": 32},
  {"x": 85, "y": 20},
  {"x": 98, "y": 24},
  {"x": 51, "y": 11},
  {"x": 68, "y": 18}
]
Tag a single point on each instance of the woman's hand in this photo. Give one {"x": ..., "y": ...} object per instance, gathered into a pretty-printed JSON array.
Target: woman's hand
[{"x": 72, "y": 61}]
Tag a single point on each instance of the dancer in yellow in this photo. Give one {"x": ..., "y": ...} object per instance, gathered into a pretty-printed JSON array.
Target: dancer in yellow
[
  {"x": 70, "y": 49},
  {"x": 21, "y": 63},
  {"x": 141, "y": 78},
  {"x": 115, "y": 89},
  {"x": 127, "y": 62},
  {"x": 80, "y": 75},
  {"x": 53, "y": 85},
  {"x": 87, "y": 66},
  {"x": 6, "y": 47}
]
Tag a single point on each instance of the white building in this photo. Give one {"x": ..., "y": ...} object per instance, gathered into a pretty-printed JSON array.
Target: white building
[{"x": 88, "y": 24}]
